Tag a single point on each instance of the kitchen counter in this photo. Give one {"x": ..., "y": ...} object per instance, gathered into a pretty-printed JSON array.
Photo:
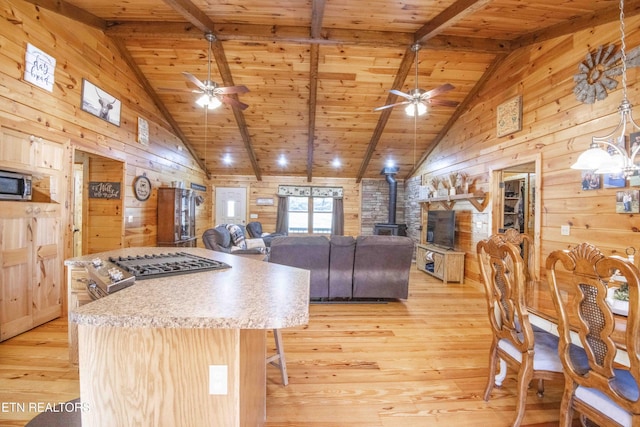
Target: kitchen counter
[
  {"x": 249, "y": 295},
  {"x": 185, "y": 349}
]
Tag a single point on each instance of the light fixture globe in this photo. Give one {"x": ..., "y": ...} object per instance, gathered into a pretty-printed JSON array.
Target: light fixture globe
[
  {"x": 209, "y": 101},
  {"x": 594, "y": 158},
  {"x": 415, "y": 108}
]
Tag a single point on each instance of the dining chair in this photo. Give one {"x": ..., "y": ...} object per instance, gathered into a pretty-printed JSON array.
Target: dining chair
[
  {"x": 531, "y": 351},
  {"x": 604, "y": 392}
]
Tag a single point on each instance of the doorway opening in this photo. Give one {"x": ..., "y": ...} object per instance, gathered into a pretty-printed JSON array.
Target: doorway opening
[
  {"x": 98, "y": 222},
  {"x": 517, "y": 191}
]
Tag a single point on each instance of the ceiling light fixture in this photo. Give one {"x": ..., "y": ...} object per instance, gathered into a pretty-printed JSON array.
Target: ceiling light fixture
[
  {"x": 416, "y": 107},
  {"x": 226, "y": 159},
  {"x": 614, "y": 158},
  {"x": 282, "y": 160},
  {"x": 209, "y": 101},
  {"x": 336, "y": 163}
]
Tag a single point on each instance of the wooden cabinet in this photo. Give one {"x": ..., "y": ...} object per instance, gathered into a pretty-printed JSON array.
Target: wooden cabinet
[
  {"x": 446, "y": 265},
  {"x": 31, "y": 265},
  {"x": 176, "y": 217}
]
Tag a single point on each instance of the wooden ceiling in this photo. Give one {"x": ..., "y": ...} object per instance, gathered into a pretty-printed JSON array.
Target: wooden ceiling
[{"x": 317, "y": 69}]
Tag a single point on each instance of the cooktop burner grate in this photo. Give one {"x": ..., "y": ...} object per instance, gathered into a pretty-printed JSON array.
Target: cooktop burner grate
[{"x": 159, "y": 265}]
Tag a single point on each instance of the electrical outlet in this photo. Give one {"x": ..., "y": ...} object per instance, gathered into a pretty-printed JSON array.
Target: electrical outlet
[
  {"x": 478, "y": 224},
  {"x": 565, "y": 230},
  {"x": 218, "y": 375}
]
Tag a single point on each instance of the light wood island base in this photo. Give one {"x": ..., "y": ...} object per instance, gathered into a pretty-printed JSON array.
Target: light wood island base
[
  {"x": 184, "y": 350},
  {"x": 160, "y": 376}
]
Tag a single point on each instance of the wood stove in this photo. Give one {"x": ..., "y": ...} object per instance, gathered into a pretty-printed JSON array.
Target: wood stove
[{"x": 390, "y": 228}]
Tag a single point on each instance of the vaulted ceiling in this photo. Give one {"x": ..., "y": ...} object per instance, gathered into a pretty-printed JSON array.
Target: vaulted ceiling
[{"x": 317, "y": 69}]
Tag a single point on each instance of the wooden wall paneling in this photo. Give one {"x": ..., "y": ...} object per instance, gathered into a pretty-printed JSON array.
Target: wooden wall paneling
[
  {"x": 268, "y": 188},
  {"x": 57, "y": 116},
  {"x": 555, "y": 126}
]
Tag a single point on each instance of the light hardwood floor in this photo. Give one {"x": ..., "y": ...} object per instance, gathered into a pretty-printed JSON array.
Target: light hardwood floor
[{"x": 421, "y": 362}]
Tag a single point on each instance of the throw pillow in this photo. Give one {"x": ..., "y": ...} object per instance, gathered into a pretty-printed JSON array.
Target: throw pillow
[{"x": 237, "y": 236}]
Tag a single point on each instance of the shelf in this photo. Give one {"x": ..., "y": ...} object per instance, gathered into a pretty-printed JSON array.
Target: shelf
[{"x": 479, "y": 200}]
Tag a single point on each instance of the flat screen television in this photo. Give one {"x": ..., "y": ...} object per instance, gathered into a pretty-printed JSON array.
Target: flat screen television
[{"x": 441, "y": 228}]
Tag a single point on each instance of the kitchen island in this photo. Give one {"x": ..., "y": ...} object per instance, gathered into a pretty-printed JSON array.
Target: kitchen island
[{"x": 185, "y": 350}]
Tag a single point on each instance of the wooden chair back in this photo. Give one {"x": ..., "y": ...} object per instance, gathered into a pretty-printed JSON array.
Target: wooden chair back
[
  {"x": 585, "y": 273},
  {"x": 503, "y": 276}
]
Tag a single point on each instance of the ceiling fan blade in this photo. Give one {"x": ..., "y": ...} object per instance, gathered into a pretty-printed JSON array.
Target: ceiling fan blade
[
  {"x": 231, "y": 89},
  {"x": 194, "y": 80},
  {"x": 170, "y": 89},
  {"x": 234, "y": 102},
  {"x": 391, "y": 105},
  {"x": 402, "y": 94},
  {"x": 443, "y": 102},
  {"x": 437, "y": 91}
]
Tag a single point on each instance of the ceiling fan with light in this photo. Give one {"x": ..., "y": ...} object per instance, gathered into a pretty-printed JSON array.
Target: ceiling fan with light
[
  {"x": 417, "y": 99},
  {"x": 213, "y": 95}
]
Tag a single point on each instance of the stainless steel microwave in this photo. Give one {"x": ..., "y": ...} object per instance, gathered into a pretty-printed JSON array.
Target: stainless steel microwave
[{"x": 15, "y": 186}]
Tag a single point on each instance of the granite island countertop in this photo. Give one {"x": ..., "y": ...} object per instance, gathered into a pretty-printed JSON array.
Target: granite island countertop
[{"x": 251, "y": 294}]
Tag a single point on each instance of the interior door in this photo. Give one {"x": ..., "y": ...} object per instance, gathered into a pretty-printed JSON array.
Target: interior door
[{"x": 231, "y": 205}]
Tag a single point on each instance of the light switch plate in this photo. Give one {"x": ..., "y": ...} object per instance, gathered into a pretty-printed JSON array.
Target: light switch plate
[
  {"x": 565, "y": 230},
  {"x": 218, "y": 375}
]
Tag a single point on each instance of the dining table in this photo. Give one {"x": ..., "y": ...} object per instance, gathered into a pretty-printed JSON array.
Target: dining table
[{"x": 543, "y": 314}]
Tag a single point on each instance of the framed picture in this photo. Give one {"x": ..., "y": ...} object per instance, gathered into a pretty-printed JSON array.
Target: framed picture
[
  {"x": 590, "y": 180},
  {"x": 509, "y": 117},
  {"x": 100, "y": 103},
  {"x": 628, "y": 201}
]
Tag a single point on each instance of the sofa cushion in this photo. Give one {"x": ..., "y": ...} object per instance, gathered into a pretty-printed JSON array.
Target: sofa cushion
[
  {"x": 308, "y": 252},
  {"x": 341, "y": 266},
  {"x": 381, "y": 266}
]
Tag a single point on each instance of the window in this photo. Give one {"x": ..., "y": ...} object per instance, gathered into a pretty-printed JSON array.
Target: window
[{"x": 310, "y": 213}]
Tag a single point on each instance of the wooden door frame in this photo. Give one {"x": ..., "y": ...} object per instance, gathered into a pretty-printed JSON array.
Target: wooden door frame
[{"x": 495, "y": 174}]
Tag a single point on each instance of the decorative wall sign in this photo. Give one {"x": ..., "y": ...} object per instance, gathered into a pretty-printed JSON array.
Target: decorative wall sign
[
  {"x": 104, "y": 190},
  {"x": 99, "y": 103},
  {"x": 198, "y": 187},
  {"x": 509, "y": 117},
  {"x": 143, "y": 131},
  {"x": 142, "y": 188},
  {"x": 264, "y": 202},
  {"x": 39, "y": 68},
  {"x": 301, "y": 190}
]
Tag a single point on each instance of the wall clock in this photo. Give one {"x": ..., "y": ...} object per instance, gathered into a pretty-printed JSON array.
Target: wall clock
[{"x": 142, "y": 188}]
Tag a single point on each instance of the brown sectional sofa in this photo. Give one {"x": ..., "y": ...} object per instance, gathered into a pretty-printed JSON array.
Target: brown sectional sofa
[{"x": 367, "y": 267}]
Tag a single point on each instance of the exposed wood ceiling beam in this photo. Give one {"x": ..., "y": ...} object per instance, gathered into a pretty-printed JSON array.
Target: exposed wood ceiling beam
[
  {"x": 317, "y": 15},
  {"x": 301, "y": 35},
  {"x": 401, "y": 75},
  {"x": 198, "y": 18},
  {"x": 72, "y": 12},
  {"x": 448, "y": 17},
  {"x": 464, "y": 105},
  {"x": 158, "y": 102}
]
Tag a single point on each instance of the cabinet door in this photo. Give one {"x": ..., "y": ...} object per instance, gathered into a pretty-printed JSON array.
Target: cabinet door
[
  {"x": 47, "y": 304},
  {"x": 16, "y": 260},
  {"x": 16, "y": 150},
  {"x": 438, "y": 265}
]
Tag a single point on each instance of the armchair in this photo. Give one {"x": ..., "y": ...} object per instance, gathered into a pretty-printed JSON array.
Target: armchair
[
  {"x": 254, "y": 230},
  {"x": 219, "y": 239}
]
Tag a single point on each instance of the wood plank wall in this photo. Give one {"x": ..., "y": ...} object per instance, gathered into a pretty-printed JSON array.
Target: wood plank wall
[
  {"x": 557, "y": 128},
  {"x": 268, "y": 188},
  {"x": 81, "y": 53}
]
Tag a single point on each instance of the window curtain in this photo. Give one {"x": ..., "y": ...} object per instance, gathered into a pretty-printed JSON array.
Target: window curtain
[
  {"x": 282, "y": 219},
  {"x": 337, "y": 223}
]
